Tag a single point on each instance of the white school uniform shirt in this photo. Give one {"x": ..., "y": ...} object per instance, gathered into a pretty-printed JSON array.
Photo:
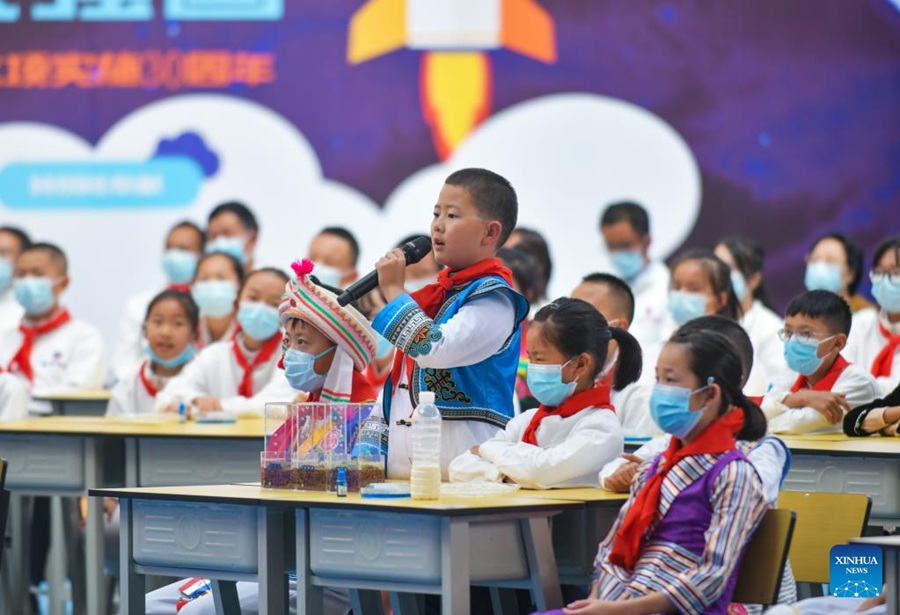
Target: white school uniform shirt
[
  {"x": 651, "y": 300},
  {"x": 569, "y": 453},
  {"x": 130, "y": 397},
  {"x": 471, "y": 336},
  {"x": 69, "y": 358},
  {"x": 11, "y": 312},
  {"x": 214, "y": 372},
  {"x": 770, "y": 457},
  {"x": 866, "y": 341},
  {"x": 632, "y": 406},
  {"x": 855, "y": 383},
  {"x": 762, "y": 325},
  {"x": 128, "y": 353}
]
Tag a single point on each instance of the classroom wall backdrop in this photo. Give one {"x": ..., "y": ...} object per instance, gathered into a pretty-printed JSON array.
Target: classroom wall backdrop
[{"x": 118, "y": 118}]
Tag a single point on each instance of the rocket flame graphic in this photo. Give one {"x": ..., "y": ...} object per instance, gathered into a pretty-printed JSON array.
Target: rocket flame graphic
[{"x": 455, "y": 80}]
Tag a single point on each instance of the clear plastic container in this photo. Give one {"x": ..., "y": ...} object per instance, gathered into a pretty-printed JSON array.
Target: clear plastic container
[{"x": 425, "y": 474}]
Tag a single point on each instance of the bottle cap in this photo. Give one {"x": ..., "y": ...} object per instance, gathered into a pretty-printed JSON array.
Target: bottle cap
[{"x": 426, "y": 397}]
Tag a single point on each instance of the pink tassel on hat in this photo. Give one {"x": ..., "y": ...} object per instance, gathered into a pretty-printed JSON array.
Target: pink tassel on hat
[{"x": 302, "y": 267}]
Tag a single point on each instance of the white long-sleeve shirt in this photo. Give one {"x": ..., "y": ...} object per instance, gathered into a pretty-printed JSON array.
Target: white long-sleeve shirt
[
  {"x": 129, "y": 396},
  {"x": 128, "y": 353},
  {"x": 855, "y": 383},
  {"x": 762, "y": 325},
  {"x": 11, "y": 312},
  {"x": 866, "y": 341},
  {"x": 214, "y": 372},
  {"x": 769, "y": 456},
  {"x": 632, "y": 406},
  {"x": 471, "y": 336},
  {"x": 569, "y": 451},
  {"x": 651, "y": 291},
  {"x": 69, "y": 358}
]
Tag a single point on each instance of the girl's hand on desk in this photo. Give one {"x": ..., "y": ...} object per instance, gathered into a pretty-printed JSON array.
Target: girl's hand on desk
[
  {"x": 474, "y": 450},
  {"x": 620, "y": 480},
  {"x": 206, "y": 404}
]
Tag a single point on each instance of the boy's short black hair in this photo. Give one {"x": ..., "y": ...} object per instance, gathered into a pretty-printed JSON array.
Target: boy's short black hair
[
  {"x": 493, "y": 197},
  {"x": 630, "y": 212},
  {"x": 523, "y": 266},
  {"x": 248, "y": 220},
  {"x": 57, "y": 256},
  {"x": 854, "y": 254},
  {"x": 340, "y": 231},
  {"x": 532, "y": 241},
  {"x": 20, "y": 235},
  {"x": 194, "y": 227},
  {"x": 824, "y": 305},
  {"x": 620, "y": 291}
]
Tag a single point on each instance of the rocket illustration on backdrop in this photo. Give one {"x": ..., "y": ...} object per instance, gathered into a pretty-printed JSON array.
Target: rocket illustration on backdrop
[{"x": 455, "y": 82}]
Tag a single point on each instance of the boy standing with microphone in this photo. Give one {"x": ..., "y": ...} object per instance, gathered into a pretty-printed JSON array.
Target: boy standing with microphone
[{"x": 458, "y": 337}]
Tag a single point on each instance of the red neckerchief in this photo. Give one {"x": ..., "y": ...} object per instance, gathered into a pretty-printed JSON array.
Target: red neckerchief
[
  {"x": 377, "y": 380},
  {"x": 598, "y": 397},
  {"x": 883, "y": 363},
  {"x": 717, "y": 438},
  {"x": 22, "y": 358},
  {"x": 245, "y": 389},
  {"x": 827, "y": 381},
  {"x": 151, "y": 388},
  {"x": 431, "y": 298}
]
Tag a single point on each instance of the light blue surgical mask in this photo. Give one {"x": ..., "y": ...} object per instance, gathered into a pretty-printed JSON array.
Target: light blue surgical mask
[
  {"x": 546, "y": 384},
  {"x": 233, "y": 246},
  {"x": 802, "y": 356},
  {"x": 628, "y": 263},
  {"x": 6, "y": 273},
  {"x": 258, "y": 320},
  {"x": 299, "y": 369},
  {"x": 670, "y": 408},
  {"x": 186, "y": 355},
  {"x": 385, "y": 348},
  {"x": 35, "y": 294},
  {"x": 739, "y": 284},
  {"x": 887, "y": 294},
  {"x": 179, "y": 265},
  {"x": 328, "y": 275},
  {"x": 215, "y": 297},
  {"x": 823, "y": 276},
  {"x": 685, "y": 306}
]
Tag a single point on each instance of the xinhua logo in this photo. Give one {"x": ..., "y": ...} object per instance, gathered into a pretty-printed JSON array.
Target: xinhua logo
[{"x": 856, "y": 571}]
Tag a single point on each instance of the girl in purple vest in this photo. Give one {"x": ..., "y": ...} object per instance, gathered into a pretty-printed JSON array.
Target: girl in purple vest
[{"x": 677, "y": 544}]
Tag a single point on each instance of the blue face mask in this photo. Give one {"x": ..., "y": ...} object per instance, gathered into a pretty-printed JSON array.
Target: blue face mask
[
  {"x": 670, "y": 408},
  {"x": 34, "y": 294},
  {"x": 6, "y": 273},
  {"x": 684, "y": 306},
  {"x": 628, "y": 263},
  {"x": 802, "y": 357},
  {"x": 186, "y": 355},
  {"x": 179, "y": 266},
  {"x": 258, "y": 320},
  {"x": 886, "y": 293},
  {"x": 739, "y": 285},
  {"x": 822, "y": 276},
  {"x": 215, "y": 297},
  {"x": 233, "y": 246},
  {"x": 385, "y": 348},
  {"x": 299, "y": 369},
  {"x": 328, "y": 275},
  {"x": 545, "y": 383}
]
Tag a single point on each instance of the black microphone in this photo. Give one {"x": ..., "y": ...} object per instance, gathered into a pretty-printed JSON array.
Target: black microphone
[{"x": 414, "y": 251}]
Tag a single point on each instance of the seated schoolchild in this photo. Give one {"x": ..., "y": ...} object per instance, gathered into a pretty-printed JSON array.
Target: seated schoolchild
[{"x": 565, "y": 441}]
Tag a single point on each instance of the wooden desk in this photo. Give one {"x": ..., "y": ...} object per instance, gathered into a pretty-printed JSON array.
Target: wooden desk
[
  {"x": 577, "y": 533},
  {"x": 837, "y": 463},
  {"x": 398, "y": 545},
  {"x": 66, "y": 456},
  {"x": 890, "y": 546},
  {"x": 78, "y": 403}
]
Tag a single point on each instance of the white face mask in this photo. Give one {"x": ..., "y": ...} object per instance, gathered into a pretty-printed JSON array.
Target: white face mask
[{"x": 328, "y": 275}]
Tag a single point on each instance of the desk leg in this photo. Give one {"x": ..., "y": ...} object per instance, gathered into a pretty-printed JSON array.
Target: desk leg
[
  {"x": 407, "y": 604},
  {"x": 310, "y": 598},
  {"x": 366, "y": 602},
  {"x": 454, "y": 566},
  {"x": 131, "y": 462},
  {"x": 541, "y": 563},
  {"x": 225, "y": 597},
  {"x": 272, "y": 579},
  {"x": 131, "y": 584},
  {"x": 892, "y": 578},
  {"x": 20, "y": 553},
  {"x": 93, "y": 531}
]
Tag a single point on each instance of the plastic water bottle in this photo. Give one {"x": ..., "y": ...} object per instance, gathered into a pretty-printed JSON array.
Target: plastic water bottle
[{"x": 425, "y": 475}]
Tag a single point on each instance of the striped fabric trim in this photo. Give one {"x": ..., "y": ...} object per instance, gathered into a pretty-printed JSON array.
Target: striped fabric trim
[{"x": 345, "y": 333}]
